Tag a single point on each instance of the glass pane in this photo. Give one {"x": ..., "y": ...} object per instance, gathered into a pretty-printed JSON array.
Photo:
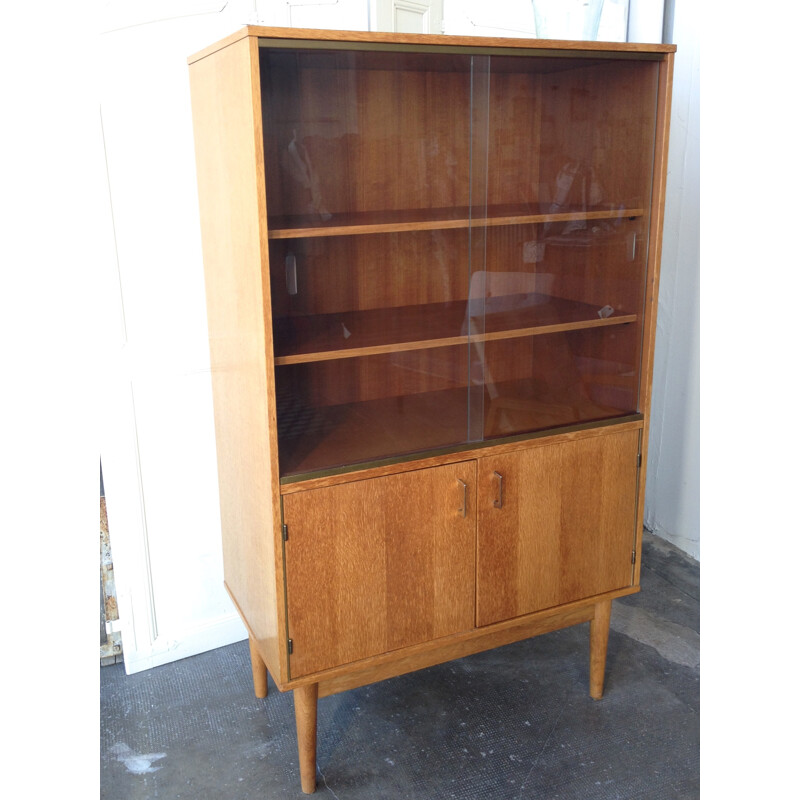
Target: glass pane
[
  {"x": 368, "y": 206},
  {"x": 354, "y": 410},
  {"x": 338, "y": 294},
  {"x": 479, "y": 188},
  {"x": 363, "y": 138},
  {"x": 538, "y": 382},
  {"x": 570, "y": 154},
  {"x": 458, "y": 245}
]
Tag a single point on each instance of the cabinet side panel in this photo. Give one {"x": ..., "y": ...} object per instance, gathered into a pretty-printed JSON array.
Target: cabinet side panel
[
  {"x": 229, "y": 167},
  {"x": 653, "y": 274}
]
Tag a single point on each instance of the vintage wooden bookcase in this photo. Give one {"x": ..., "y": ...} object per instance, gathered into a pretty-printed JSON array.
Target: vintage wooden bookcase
[{"x": 431, "y": 267}]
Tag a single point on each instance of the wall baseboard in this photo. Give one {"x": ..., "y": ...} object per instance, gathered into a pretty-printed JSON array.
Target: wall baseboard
[{"x": 216, "y": 633}]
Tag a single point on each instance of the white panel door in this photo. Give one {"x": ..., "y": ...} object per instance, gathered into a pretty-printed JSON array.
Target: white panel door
[
  {"x": 157, "y": 435},
  {"x": 409, "y": 16}
]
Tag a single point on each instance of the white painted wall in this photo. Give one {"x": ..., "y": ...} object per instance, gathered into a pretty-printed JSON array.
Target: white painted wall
[
  {"x": 157, "y": 434},
  {"x": 343, "y": 15},
  {"x": 515, "y": 19},
  {"x": 672, "y": 503},
  {"x": 49, "y": 544}
]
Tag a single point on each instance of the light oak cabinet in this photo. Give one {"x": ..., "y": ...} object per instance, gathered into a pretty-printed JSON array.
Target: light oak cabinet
[
  {"x": 556, "y": 524},
  {"x": 431, "y": 272},
  {"x": 374, "y": 566}
]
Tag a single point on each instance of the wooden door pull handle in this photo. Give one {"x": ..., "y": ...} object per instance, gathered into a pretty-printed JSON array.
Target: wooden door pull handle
[{"x": 498, "y": 503}]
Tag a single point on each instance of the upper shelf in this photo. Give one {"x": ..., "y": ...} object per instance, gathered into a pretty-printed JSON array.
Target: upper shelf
[
  {"x": 325, "y": 337},
  {"x": 366, "y": 222}
]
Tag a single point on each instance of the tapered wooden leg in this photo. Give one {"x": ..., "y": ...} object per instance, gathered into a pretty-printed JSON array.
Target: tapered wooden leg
[
  {"x": 305, "y": 714},
  {"x": 599, "y": 645},
  {"x": 259, "y": 670}
]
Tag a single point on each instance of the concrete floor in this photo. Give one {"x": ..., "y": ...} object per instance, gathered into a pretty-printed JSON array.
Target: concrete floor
[{"x": 516, "y": 722}]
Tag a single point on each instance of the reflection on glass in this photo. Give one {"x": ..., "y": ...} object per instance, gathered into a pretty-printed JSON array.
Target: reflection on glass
[
  {"x": 297, "y": 164},
  {"x": 457, "y": 246},
  {"x": 369, "y": 408},
  {"x": 556, "y": 313}
]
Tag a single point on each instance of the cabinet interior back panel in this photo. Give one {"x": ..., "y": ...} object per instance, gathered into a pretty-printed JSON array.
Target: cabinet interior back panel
[
  {"x": 601, "y": 120},
  {"x": 345, "y": 273},
  {"x": 332, "y": 124}
]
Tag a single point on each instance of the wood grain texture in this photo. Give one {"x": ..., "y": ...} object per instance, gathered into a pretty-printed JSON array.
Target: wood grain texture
[
  {"x": 391, "y": 374},
  {"x": 564, "y": 378},
  {"x": 305, "y": 714},
  {"x": 455, "y": 454},
  {"x": 332, "y": 126},
  {"x": 543, "y": 46},
  {"x": 600, "y": 119},
  {"x": 407, "y": 400},
  {"x": 232, "y": 215},
  {"x": 598, "y": 636},
  {"x": 652, "y": 279},
  {"x": 353, "y": 113},
  {"x": 434, "y": 219},
  {"x": 259, "y": 669},
  {"x": 358, "y": 333},
  {"x": 355, "y": 433},
  {"x": 334, "y": 436},
  {"x": 608, "y": 116},
  {"x": 413, "y": 659},
  {"x": 399, "y": 662},
  {"x": 357, "y": 273},
  {"x": 476, "y": 42},
  {"x": 565, "y": 528},
  {"x": 514, "y": 112},
  {"x": 379, "y": 565}
]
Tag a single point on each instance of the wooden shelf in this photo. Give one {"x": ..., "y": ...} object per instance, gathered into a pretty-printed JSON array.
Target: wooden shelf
[
  {"x": 326, "y": 337},
  {"x": 314, "y": 440},
  {"x": 360, "y": 223}
]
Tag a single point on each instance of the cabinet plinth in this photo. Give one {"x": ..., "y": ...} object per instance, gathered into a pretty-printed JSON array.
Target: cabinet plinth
[{"x": 431, "y": 269}]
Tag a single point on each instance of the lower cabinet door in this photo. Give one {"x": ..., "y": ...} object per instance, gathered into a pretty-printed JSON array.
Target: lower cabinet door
[
  {"x": 376, "y": 565},
  {"x": 555, "y": 524}
]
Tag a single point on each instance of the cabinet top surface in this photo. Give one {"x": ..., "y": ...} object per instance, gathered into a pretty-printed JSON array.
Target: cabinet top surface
[{"x": 526, "y": 46}]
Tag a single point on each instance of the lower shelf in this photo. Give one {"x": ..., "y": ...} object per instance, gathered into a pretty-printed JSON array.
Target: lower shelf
[
  {"x": 313, "y": 440},
  {"x": 316, "y": 439}
]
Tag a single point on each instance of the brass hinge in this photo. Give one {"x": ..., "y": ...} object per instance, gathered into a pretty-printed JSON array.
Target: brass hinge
[
  {"x": 633, "y": 557},
  {"x": 285, "y": 529},
  {"x": 291, "y": 646}
]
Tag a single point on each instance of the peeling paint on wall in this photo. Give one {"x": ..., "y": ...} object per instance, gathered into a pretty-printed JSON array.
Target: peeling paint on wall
[{"x": 110, "y": 640}]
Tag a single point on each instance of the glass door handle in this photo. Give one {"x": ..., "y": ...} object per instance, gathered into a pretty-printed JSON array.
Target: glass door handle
[
  {"x": 498, "y": 503},
  {"x": 463, "y": 509}
]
